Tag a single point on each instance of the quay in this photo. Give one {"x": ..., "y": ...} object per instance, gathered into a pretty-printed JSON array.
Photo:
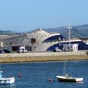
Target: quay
[
  {"x": 40, "y": 45},
  {"x": 43, "y": 56}
]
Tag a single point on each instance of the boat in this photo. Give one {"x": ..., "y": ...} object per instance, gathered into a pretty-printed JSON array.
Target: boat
[
  {"x": 6, "y": 81},
  {"x": 66, "y": 77},
  {"x": 69, "y": 79}
]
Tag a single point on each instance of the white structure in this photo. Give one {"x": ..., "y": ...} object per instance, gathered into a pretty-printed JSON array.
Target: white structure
[
  {"x": 6, "y": 81},
  {"x": 75, "y": 47},
  {"x": 38, "y": 40}
]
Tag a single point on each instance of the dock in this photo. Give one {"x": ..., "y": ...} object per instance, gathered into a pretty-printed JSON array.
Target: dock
[{"x": 42, "y": 56}]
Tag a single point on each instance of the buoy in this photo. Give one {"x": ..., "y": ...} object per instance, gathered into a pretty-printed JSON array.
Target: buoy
[
  {"x": 50, "y": 80},
  {"x": 19, "y": 75}
]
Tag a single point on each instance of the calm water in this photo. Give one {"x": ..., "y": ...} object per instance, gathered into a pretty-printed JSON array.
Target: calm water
[{"x": 37, "y": 74}]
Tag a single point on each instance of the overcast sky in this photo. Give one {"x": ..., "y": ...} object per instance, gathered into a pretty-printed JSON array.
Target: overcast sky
[{"x": 27, "y": 15}]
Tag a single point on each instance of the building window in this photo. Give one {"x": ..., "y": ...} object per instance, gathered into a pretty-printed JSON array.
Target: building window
[{"x": 33, "y": 40}]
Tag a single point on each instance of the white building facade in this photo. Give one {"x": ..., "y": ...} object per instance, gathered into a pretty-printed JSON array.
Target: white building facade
[{"x": 34, "y": 41}]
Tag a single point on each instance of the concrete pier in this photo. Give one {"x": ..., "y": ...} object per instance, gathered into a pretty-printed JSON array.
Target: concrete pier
[{"x": 42, "y": 56}]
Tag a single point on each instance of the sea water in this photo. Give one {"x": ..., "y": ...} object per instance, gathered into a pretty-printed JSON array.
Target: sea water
[{"x": 43, "y": 74}]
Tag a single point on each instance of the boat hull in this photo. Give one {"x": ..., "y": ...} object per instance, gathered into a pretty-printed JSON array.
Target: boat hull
[
  {"x": 69, "y": 79},
  {"x": 6, "y": 81}
]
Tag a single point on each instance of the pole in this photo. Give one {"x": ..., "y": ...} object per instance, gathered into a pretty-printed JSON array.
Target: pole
[{"x": 69, "y": 28}]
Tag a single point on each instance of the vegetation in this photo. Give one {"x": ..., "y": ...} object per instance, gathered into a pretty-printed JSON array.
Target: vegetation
[{"x": 80, "y": 31}]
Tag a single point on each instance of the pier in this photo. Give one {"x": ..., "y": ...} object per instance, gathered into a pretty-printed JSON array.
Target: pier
[{"x": 42, "y": 56}]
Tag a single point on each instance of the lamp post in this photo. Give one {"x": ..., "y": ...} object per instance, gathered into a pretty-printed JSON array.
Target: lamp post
[{"x": 69, "y": 28}]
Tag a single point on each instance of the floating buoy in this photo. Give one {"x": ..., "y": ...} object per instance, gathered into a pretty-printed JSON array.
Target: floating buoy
[
  {"x": 19, "y": 75},
  {"x": 50, "y": 80}
]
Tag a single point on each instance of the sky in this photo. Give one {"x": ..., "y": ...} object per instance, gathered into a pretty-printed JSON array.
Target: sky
[{"x": 28, "y": 15}]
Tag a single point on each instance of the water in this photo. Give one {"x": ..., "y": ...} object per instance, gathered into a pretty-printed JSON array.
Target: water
[{"x": 37, "y": 74}]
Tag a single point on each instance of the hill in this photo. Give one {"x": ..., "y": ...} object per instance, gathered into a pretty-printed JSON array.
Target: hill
[
  {"x": 76, "y": 31},
  {"x": 80, "y": 31},
  {"x": 8, "y": 33}
]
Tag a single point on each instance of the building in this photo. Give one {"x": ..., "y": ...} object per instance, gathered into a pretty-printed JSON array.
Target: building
[{"x": 40, "y": 40}]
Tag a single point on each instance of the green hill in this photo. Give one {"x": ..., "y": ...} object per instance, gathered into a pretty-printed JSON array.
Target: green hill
[{"x": 76, "y": 31}]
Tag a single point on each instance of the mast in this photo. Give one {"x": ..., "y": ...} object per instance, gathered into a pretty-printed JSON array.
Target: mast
[
  {"x": 65, "y": 72},
  {"x": 65, "y": 65}
]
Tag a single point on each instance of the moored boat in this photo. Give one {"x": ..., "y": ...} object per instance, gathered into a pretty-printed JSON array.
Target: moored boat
[
  {"x": 5, "y": 81},
  {"x": 69, "y": 79}
]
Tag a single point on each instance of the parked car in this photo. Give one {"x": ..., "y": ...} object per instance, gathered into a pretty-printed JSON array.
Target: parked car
[
  {"x": 22, "y": 51},
  {"x": 6, "y": 51},
  {"x": 1, "y": 51}
]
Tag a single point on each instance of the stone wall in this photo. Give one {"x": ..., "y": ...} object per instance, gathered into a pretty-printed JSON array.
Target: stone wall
[
  {"x": 42, "y": 56},
  {"x": 32, "y": 54}
]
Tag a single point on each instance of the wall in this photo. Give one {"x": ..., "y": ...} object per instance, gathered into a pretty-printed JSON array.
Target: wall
[{"x": 32, "y": 54}]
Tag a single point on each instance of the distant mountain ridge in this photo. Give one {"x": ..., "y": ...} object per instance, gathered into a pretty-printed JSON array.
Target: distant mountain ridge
[
  {"x": 76, "y": 31},
  {"x": 8, "y": 33}
]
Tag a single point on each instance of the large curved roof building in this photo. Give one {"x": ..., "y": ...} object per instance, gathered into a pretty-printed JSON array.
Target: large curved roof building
[
  {"x": 37, "y": 40},
  {"x": 40, "y": 40}
]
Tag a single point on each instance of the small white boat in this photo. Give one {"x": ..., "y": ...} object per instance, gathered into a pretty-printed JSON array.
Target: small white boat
[
  {"x": 5, "y": 81},
  {"x": 69, "y": 79}
]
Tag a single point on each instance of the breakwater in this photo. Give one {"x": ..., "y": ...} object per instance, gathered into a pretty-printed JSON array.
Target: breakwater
[{"x": 42, "y": 56}]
